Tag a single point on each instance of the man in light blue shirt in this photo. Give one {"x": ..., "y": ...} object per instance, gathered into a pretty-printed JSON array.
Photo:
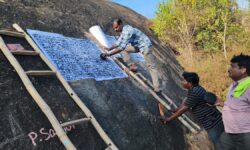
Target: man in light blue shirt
[
  {"x": 139, "y": 43},
  {"x": 133, "y": 36}
]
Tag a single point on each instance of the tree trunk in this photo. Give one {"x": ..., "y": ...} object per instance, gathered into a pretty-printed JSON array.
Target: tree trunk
[
  {"x": 224, "y": 40},
  {"x": 190, "y": 51}
]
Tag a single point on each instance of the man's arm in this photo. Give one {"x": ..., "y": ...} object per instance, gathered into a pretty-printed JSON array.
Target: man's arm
[
  {"x": 115, "y": 52},
  {"x": 175, "y": 110},
  {"x": 120, "y": 44},
  {"x": 110, "y": 53},
  {"x": 182, "y": 109},
  {"x": 111, "y": 48}
]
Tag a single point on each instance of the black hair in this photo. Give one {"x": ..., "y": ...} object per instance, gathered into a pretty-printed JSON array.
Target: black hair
[
  {"x": 191, "y": 77},
  {"x": 243, "y": 61},
  {"x": 118, "y": 21}
]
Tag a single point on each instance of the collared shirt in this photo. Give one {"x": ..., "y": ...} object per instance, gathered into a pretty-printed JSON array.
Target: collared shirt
[
  {"x": 133, "y": 36},
  {"x": 236, "y": 111},
  {"x": 208, "y": 116}
]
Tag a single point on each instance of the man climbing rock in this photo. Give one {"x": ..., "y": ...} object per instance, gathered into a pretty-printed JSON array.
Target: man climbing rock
[
  {"x": 209, "y": 116},
  {"x": 236, "y": 110},
  {"x": 139, "y": 43}
]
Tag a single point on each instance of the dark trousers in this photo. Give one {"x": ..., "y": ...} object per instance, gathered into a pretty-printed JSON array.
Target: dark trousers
[
  {"x": 239, "y": 141},
  {"x": 215, "y": 133}
]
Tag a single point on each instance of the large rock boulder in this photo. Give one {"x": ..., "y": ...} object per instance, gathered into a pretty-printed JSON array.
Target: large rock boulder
[{"x": 125, "y": 110}]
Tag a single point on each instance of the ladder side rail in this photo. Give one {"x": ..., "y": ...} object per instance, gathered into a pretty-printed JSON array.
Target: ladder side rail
[
  {"x": 130, "y": 73},
  {"x": 171, "y": 102},
  {"x": 184, "y": 122},
  {"x": 37, "y": 98},
  {"x": 67, "y": 87}
]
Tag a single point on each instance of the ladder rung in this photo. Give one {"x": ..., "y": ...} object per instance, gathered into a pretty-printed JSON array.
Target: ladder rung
[
  {"x": 74, "y": 122},
  {"x": 40, "y": 72},
  {"x": 24, "y": 52},
  {"x": 12, "y": 33},
  {"x": 108, "y": 148}
]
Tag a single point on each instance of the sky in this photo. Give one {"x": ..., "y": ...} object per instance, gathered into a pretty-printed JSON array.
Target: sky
[{"x": 148, "y": 7}]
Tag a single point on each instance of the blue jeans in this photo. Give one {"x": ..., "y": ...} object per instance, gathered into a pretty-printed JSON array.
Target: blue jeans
[
  {"x": 215, "y": 134},
  {"x": 239, "y": 141}
]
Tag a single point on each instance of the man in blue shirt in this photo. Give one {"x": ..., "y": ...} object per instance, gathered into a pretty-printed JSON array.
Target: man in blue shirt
[{"x": 139, "y": 43}]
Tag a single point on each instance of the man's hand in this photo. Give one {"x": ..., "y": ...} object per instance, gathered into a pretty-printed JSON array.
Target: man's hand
[
  {"x": 126, "y": 70},
  {"x": 105, "y": 48},
  {"x": 179, "y": 111},
  {"x": 164, "y": 120},
  {"x": 104, "y": 56},
  {"x": 219, "y": 102}
]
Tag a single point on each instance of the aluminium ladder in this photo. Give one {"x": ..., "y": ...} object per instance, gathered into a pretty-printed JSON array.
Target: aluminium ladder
[
  {"x": 58, "y": 127},
  {"x": 188, "y": 123}
]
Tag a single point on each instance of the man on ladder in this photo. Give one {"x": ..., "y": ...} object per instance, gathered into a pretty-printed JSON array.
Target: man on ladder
[{"x": 139, "y": 43}]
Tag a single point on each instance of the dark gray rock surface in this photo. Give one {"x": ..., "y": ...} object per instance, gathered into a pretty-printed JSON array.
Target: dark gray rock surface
[{"x": 125, "y": 110}]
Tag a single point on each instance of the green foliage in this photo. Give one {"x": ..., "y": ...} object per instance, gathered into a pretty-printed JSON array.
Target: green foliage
[
  {"x": 205, "y": 24},
  {"x": 202, "y": 29}
]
